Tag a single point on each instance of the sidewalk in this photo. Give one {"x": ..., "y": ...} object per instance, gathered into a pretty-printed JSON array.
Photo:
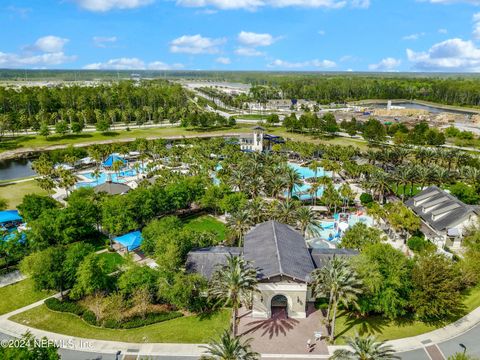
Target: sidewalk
[{"x": 195, "y": 350}]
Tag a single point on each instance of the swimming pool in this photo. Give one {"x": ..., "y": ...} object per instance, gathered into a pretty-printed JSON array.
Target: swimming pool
[
  {"x": 306, "y": 172},
  {"x": 330, "y": 232},
  {"x": 115, "y": 177}
]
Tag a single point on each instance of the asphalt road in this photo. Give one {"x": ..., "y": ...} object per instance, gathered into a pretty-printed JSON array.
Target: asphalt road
[{"x": 470, "y": 339}]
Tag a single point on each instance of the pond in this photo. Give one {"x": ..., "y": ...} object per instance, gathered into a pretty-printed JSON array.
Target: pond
[
  {"x": 430, "y": 108},
  {"x": 15, "y": 168}
]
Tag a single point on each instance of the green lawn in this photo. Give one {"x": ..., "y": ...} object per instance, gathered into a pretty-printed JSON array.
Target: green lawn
[
  {"x": 20, "y": 294},
  {"x": 385, "y": 329},
  {"x": 188, "y": 329},
  {"x": 207, "y": 222},
  {"x": 14, "y": 193},
  {"x": 112, "y": 260},
  {"x": 36, "y": 141}
]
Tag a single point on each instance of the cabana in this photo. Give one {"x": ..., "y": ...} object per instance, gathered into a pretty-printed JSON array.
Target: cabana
[
  {"x": 9, "y": 216},
  {"x": 9, "y": 220},
  {"x": 113, "y": 158},
  {"x": 130, "y": 241}
]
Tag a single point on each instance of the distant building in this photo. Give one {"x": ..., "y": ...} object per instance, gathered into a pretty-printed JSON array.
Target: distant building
[
  {"x": 252, "y": 142},
  {"x": 283, "y": 262},
  {"x": 444, "y": 217}
]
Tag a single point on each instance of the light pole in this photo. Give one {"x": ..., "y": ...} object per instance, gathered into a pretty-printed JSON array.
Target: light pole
[
  {"x": 117, "y": 355},
  {"x": 463, "y": 347}
]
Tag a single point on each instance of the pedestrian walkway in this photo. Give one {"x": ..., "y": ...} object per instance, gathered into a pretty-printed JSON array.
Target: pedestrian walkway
[{"x": 433, "y": 343}]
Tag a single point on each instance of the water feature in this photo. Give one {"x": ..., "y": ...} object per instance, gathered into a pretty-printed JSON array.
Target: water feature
[
  {"x": 413, "y": 105},
  {"x": 331, "y": 232},
  {"x": 15, "y": 169}
]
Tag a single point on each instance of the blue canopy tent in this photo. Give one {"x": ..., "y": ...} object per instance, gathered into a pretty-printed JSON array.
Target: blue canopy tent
[
  {"x": 9, "y": 216},
  {"x": 113, "y": 158},
  {"x": 130, "y": 241}
]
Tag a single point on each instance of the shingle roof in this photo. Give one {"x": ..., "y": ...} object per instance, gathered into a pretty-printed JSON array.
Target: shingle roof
[
  {"x": 277, "y": 250},
  {"x": 112, "y": 188},
  {"x": 321, "y": 256},
  {"x": 439, "y": 209},
  {"x": 204, "y": 261}
]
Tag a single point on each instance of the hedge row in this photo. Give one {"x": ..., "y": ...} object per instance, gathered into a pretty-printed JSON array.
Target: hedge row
[{"x": 90, "y": 318}]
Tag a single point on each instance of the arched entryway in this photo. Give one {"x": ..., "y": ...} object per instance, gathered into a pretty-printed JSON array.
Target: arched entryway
[{"x": 279, "y": 306}]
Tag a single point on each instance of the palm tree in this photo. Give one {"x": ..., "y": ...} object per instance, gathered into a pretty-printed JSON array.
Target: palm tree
[
  {"x": 256, "y": 210},
  {"x": 234, "y": 284},
  {"x": 292, "y": 179},
  {"x": 365, "y": 349},
  {"x": 230, "y": 348},
  {"x": 347, "y": 195},
  {"x": 285, "y": 211},
  {"x": 239, "y": 223},
  {"x": 117, "y": 166},
  {"x": 380, "y": 183},
  {"x": 307, "y": 222},
  {"x": 338, "y": 282},
  {"x": 314, "y": 165},
  {"x": 96, "y": 174}
]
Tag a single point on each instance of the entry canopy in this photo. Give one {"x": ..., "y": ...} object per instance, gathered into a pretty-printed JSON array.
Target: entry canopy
[
  {"x": 112, "y": 158},
  {"x": 9, "y": 216},
  {"x": 131, "y": 241}
]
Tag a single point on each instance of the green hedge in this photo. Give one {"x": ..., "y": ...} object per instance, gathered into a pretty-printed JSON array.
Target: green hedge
[{"x": 90, "y": 318}]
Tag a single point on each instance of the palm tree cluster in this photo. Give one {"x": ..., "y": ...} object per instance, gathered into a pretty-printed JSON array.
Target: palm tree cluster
[
  {"x": 337, "y": 281},
  {"x": 287, "y": 211},
  {"x": 234, "y": 284}
]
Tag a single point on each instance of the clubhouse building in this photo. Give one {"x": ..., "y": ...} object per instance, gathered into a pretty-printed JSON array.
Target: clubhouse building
[{"x": 283, "y": 262}]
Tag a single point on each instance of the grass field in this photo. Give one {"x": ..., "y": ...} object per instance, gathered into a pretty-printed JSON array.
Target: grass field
[
  {"x": 20, "y": 294},
  {"x": 36, "y": 141},
  {"x": 207, "y": 222},
  {"x": 112, "y": 260},
  {"x": 188, "y": 329},
  {"x": 14, "y": 193},
  {"x": 385, "y": 329},
  {"x": 40, "y": 142}
]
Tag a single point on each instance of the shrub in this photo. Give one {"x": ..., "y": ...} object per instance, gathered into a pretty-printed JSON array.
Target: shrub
[
  {"x": 89, "y": 317},
  {"x": 149, "y": 319},
  {"x": 366, "y": 199},
  {"x": 419, "y": 244},
  {"x": 64, "y": 306}
]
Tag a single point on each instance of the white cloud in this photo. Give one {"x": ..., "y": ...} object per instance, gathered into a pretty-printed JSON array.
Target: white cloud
[
  {"x": 322, "y": 32},
  {"x": 325, "y": 64},
  {"x": 107, "y": 5},
  {"x": 131, "y": 64},
  {"x": 442, "y": 31},
  {"x": 449, "y": 55},
  {"x": 46, "y": 51},
  {"x": 255, "y": 4},
  {"x": 387, "y": 64},
  {"x": 10, "y": 60},
  {"x": 245, "y": 51},
  {"x": 252, "y": 39},
  {"x": 20, "y": 11},
  {"x": 196, "y": 44},
  {"x": 104, "y": 41},
  {"x": 415, "y": 36},
  {"x": 49, "y": 44},
  {"x": 223, "y": 60},
  {"x": 476, "y": 26},
  {"x": 473, "y": 2}
]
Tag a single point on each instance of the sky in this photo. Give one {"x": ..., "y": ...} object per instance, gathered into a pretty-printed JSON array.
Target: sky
[{"x": 273, "y": 35}]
